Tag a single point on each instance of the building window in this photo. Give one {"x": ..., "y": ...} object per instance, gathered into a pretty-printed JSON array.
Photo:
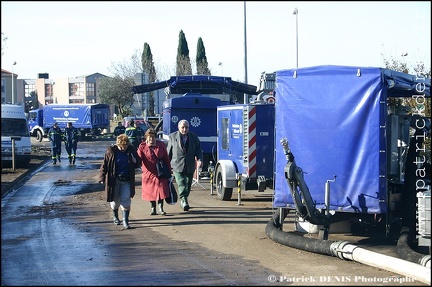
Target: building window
[
  {"x": 3, "y": 90},
  {"x": 76, "y": 90},
  {"x": 49, "y": 98},
  {"x": 48, "y": 90},
  {"x": 91, "y": 89},
  {"x": 3, "y": 85},
  {"x": 29, "y": 90}
]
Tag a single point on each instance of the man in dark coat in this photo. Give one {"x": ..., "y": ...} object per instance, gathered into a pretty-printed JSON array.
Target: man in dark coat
[
  {"x": 134, "y": 134},
  {"x": 119, "y": 129},
  {"x": 55, "y": 136},
  {"x": 184, "y": 149},
  {"x": 71, "y": 136}
]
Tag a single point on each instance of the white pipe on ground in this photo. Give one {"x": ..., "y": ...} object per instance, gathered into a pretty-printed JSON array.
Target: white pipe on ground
[{"x": 345, "y": 250}]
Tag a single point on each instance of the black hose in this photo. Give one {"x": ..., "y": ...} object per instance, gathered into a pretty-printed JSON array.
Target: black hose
[
  {"x": 295, "y": 240},
  {"x": 404, "y": 248},
  {"x": 325, "y": 247},
  {"x": 409, "y": 199}
]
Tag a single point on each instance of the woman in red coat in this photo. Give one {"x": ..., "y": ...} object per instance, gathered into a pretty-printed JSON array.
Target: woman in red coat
[{"x": 154, "y": 188}]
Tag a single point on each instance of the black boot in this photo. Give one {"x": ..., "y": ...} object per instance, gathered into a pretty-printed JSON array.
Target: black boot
[
  {"x": 73, "y": 159},
  {"x": 184, "y": 204},
  {"x": 115, "y": 217},
  {"x": 126, "y": 219},
  {"x": 153, "y": 207},
  {"x": 160, "y": 204}
]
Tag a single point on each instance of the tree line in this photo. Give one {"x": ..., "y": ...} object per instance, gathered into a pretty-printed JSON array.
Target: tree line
[{"x": 117, "y": 90}]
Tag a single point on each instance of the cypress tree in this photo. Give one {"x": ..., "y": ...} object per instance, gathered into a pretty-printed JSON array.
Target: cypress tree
[
  {"x": 201, "y": 59},
  {"x": 149, "y": 68},
  {"x": 183, "y": 65}
]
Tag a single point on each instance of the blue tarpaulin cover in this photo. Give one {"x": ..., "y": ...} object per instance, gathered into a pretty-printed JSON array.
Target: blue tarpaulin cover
[{"x": 334, "y": 119}]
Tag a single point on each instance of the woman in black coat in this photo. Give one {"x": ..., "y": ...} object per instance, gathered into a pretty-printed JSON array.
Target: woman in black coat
[{"x": 117, "y": 172}]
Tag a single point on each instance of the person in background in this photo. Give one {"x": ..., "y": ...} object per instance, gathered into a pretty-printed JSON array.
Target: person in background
[
  {"x": 141, "y": 128},
  {"x": 117, "y": 172},
  {"x": 133, "y": 134},
  {"x": 184, "y": 148},
  {"x": 71, "y": 137},
  {"x": 55, "y": 136},
  {"x": 154, "y": 188},
  {"x": 119, "y": 129}
]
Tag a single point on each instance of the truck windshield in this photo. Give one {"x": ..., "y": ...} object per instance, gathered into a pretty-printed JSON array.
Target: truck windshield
[
  {"x": 32, "y": 116},
  {"x": 14, "y": 127}
]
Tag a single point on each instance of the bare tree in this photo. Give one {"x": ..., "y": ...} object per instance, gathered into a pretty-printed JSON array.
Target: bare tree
[
  {"x": 117, "y": 89},
  {"x": 127, "y": 68}
]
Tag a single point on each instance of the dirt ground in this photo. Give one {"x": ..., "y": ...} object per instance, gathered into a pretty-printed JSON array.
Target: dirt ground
[
  {"x": 211, "y": 225},
  {"x": 11, "y": 178}
]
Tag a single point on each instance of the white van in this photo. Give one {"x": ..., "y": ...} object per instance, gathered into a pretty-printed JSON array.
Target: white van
[{"x": 14, "y": 126}]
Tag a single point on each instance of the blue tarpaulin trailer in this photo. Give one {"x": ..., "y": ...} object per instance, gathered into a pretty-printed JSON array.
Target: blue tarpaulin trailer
[{"x": 339, "y": 121}]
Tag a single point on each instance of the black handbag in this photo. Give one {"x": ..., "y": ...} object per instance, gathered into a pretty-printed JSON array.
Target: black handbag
[
  {"x": 172, "y": 198},
  {"x": 162, "y": 168}
]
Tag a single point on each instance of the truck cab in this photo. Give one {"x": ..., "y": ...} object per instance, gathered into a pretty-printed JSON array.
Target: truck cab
[
  {"x": 35, "y": 123},
  {"x": 15, "y": 138}
]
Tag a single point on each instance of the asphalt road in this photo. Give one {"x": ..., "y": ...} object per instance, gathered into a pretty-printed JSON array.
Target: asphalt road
[{"x": 57, "y": 230}]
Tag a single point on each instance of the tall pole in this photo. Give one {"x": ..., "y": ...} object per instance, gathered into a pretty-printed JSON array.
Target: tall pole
[
  {"x": 13, "y": 78},
  {"x": 221, "y": 64},
  {"x": 405, "y": 69},
  {"x": 296, "y": 14},
  {"x": 245, "y": 100}
]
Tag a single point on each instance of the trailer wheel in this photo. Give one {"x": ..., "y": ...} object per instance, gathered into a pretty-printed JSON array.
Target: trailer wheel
[
  {"x": 39, "y": 136},
  {"x": 224, "y": 193}
]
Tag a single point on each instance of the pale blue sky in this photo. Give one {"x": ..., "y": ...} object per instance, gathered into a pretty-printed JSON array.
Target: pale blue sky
[{"x": 68, "y": 39}]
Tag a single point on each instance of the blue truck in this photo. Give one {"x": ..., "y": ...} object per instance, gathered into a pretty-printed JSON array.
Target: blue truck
[
  {"x": 245, "y": 147},
  {"x": 196, "y": 98},
  {"x": 200, "y": 111},
  {"x": 245, "y": 143},
  {"x": 89, "y": 119}
]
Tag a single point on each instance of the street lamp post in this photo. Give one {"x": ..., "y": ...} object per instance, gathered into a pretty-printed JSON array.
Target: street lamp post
[
  {"x": 404, "y": 64},
  {"x": 245, "y": 96},
  {"x": 221, "y": 64},
  {"x": 295, "y": 12},
  {"x": 13, "y": 76}
]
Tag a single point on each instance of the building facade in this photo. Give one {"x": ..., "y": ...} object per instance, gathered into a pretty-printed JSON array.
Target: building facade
[
  {"x": 6, "y": 87},
  {"x": 36, "y": 93},
  {"x": 41, "y": 91}
]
